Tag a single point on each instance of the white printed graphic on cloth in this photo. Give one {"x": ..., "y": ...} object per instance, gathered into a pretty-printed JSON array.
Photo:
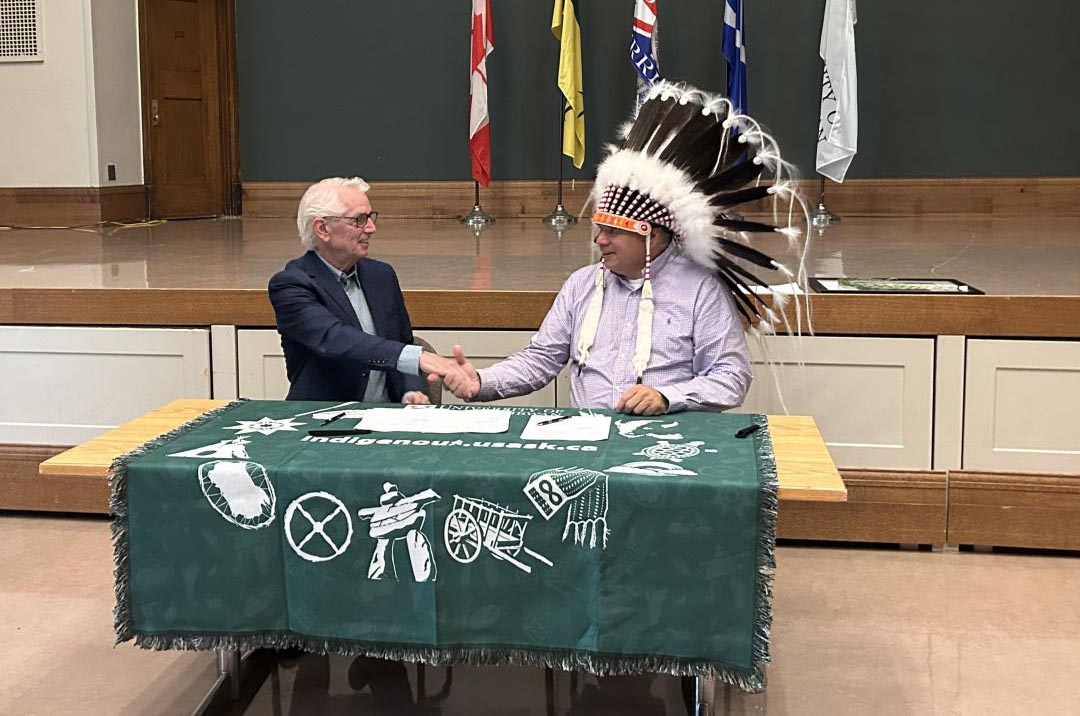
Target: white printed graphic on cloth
[
  {"x": 676, "y": 452},
  {"x": 475, "y": 524},
  {"x": 241, "y": 492},
  {"x": 226, "y": 448},
  {"x": 318, "y": 527},
  {"x": 400, "y": 518},
  {"x": 584, "y": 493},
  {"x": 265, "y": 426},
  {"x": 638, "y": 429},
  {"x": 648, "y": 467}
]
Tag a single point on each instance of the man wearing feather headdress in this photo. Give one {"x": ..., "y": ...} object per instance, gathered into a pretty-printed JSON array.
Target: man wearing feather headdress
[{"x": 655, "y": 326}]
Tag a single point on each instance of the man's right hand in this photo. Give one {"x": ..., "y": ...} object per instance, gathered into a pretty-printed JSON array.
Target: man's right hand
[
  {"x": 457, "y": 373},
  {"x": 436, "y": 366},
  {"x": 465, "y": 383}
]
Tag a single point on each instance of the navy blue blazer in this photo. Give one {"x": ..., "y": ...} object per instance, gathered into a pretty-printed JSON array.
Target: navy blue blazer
[{"x": 328, "y": 356}]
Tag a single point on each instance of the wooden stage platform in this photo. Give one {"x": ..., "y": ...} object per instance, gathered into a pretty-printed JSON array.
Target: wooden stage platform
[{"x": 206, "y": 272}]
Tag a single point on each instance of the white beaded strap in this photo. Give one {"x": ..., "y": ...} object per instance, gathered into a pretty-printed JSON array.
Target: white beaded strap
[
  {"x": 592, "y": 319},
  {"x": 643, "y": 349},
  {"x": 643, "y": 345}
]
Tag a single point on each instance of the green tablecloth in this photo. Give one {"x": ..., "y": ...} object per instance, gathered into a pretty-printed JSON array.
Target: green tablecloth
[{"x": 651, "y": 551}]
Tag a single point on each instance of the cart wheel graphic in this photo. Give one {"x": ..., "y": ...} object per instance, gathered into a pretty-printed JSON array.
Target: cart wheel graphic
[
  {"x": 462, "y": 535},
  {"x": 514, "y": 538}
]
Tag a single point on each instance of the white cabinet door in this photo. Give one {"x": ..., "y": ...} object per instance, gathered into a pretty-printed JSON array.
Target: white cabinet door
[
  {"x": 484, "y": 348},
  {"x": 260, "y": 365},
  {"x": 1021, "y": 406},
  {"x": 872, "y": 398},
  {"x": 65, "y": 385}
]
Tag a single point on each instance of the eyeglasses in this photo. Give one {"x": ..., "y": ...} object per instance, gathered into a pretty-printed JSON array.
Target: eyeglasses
[{"x": 360, "y": 220}]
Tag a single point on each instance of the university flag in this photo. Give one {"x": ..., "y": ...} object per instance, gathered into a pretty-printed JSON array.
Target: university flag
[
  {"x": 838, "y": 128},
  {"x": 483, "y": 42},
  {"x": 564, "y": 26},
  {"x": 643, "y": 50},
  {"x": 734, "y": 49}
]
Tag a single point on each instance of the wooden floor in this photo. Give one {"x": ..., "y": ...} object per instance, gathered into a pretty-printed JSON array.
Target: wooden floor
[
  {"x": 1002, "y": 256},
  {"x": 855, "y": 632}
]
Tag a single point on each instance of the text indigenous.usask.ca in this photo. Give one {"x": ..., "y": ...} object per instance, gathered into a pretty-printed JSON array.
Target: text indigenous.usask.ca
[{"x": 449, "y": 443}]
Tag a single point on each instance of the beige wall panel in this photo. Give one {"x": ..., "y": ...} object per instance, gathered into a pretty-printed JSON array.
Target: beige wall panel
[
  {"x": 63, "y": 386},
  {"x": 260, "y": 365},
  {"x": 485, "y": 348},
  {"x": 872, "y": 398},
  {"x": 949, "y": 402},
  {"x": 543, "y": 398},
  {"x": 1021, "y": 403},
  {"x": 481, "y": 344},
  {"x": 223, "y": 361}
]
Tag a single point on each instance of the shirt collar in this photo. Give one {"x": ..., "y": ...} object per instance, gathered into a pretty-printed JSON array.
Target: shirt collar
[{"x": 338, "y": 273}]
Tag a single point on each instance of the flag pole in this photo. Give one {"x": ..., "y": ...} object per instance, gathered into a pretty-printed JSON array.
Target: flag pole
[
  {"x": 560, "y": 219},
  {"x": 477, "y": 218},
  {"x": 482, "y": 43},
  {"x": 822, "y": 218}
]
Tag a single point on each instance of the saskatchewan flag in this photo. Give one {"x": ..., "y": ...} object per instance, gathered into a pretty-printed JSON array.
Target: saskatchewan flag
[{"x": 564, "y": 26}]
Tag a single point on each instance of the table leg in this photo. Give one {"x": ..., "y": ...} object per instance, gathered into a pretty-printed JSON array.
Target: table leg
[
  {"x": 549, "y": 690},
  {"x": 226, "y": 691},
  {"x": 229, "y": 668},
  {"x": 704, "y": 692}
]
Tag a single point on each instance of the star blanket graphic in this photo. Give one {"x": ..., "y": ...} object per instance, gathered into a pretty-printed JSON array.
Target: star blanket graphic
[{"x": 650, "y": 550}]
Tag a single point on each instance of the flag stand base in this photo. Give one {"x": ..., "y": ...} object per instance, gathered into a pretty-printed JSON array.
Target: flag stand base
[
  {"x": 477, "y": 218},
  {"x": 822, "y": 218},
  {"x": 560, "y": 219}
]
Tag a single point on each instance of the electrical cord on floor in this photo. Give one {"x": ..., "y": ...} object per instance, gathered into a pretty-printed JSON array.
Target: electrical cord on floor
[{"x": 88, "y": 228}]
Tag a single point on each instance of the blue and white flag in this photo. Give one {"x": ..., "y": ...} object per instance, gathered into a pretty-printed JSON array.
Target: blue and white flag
[
  {"x": 643, "y": 49},
  {"x": 735, "y": 54},
  {"x": 838, "y": 125}
]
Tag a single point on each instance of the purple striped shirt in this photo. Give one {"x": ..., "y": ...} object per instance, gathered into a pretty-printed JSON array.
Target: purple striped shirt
[{"x": 699, "y": 358}]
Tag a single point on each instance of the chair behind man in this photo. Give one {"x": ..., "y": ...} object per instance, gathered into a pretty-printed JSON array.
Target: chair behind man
[{"x": 434, "y": 387}]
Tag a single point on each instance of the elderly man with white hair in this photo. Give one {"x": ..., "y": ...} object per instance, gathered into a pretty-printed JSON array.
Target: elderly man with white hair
[{"x": 342, "y": 319}]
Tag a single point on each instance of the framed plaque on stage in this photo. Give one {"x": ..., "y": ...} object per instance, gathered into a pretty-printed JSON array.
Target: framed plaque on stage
[{"x": 839, "y": 284}]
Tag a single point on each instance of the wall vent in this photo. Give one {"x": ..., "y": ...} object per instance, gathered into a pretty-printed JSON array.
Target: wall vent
[{"x": 20, "y": 31}]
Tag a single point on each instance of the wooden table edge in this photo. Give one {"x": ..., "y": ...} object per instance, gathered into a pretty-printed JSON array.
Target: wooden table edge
[{"x": 70, "y": 463}]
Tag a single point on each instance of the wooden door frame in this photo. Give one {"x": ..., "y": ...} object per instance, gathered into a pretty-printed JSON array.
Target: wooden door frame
[{"x": 228, "y": 100}]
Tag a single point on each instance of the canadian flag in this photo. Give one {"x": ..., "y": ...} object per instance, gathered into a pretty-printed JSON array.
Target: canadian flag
[{"x": 479, "y": 136}]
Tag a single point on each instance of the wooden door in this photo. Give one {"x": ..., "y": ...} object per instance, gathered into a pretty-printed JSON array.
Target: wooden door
[{"x": 183, "y": 108}]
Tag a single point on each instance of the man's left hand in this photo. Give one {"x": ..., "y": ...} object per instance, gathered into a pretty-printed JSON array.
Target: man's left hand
[
  {"x": 642, "y": 400},
  {"x": 415, "y": 397}
]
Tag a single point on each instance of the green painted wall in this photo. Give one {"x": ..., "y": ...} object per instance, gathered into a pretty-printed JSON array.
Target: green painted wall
[{"x": 959, "y": 88}]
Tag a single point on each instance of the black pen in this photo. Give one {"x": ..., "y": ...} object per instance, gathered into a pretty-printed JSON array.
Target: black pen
[
  {"x": 337, "y": 433},
  {"x": 332, "y": 419},
  {"x": 554, "y": 420},
  {"x": 745, "y": 432}
]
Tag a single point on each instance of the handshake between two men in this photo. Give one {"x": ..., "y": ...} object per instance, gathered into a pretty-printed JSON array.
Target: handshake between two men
[{"x": 460, "y": 377}]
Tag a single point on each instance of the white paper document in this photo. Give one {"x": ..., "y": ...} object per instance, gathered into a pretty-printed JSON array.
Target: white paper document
[
  {"x": 436, "y": 420},
  {"x": 577, "y": 428}
]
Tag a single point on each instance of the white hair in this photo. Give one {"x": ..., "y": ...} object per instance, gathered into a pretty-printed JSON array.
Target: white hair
[{"x": 323, "y": 199}]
